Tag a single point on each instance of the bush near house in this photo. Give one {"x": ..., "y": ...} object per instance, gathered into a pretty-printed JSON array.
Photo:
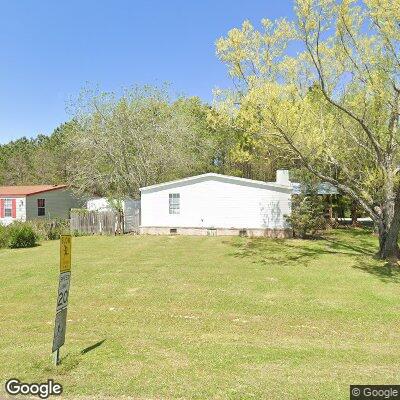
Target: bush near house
[
  {"x": 3, "y": 236},
  {"x": 307, "y": 217},
  {"x": 50, "y": 229},
  {"x": 28, "y": 234},
  {"x": 21, "y": 235}
]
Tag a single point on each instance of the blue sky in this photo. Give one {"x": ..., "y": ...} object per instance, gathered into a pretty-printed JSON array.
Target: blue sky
[{"x": 49, "y": 50}]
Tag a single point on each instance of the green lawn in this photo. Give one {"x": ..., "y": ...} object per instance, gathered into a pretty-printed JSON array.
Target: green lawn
[{"x": 204, "y": 317}]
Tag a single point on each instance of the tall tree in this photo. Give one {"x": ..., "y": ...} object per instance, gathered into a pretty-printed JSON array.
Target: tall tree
[
  {"x": 16, "y": 162},
  {"x": 52, "y": 158},
  {"x": 124, "y": 142},
  {"x": 241, "y": 147},
  {"x": 327, "y": 88},
  {"x": 40, "y": 160}
]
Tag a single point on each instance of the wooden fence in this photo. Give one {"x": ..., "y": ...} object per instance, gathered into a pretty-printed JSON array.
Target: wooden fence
[
  {"x": 131, "y": 215},
  {"x": 95, "y": 222}
]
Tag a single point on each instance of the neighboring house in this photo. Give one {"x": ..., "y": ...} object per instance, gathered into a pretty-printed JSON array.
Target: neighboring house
[
  {"x": 214, "y": 204},
  {"x": 38, "y": 201}
]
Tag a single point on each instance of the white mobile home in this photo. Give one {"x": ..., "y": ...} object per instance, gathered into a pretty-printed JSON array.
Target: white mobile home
[{"x": 214, "y": 204}]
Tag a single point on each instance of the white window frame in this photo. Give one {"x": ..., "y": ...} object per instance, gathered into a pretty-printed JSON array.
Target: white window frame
[
  {"x": 174, "y": 203},
  {"x": 7, "y": 208}
]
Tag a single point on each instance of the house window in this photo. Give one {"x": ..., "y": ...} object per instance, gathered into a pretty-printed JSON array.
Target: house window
[
  {"x": 41, "y": 204},
  {"x": 174, "y": 203},
  {"x": 8, "y": 207}
]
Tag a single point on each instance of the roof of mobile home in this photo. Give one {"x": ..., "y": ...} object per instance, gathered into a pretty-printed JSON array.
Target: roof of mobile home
[
  {"x": 217, "y": 177},
  {"x": 28, "y": 190},
  {"x": 323, "y": 188}
]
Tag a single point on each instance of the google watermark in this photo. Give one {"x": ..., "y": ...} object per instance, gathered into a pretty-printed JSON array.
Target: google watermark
[
  {"x": 42, "y": 390},
  {"x": 374, "y": 392}
]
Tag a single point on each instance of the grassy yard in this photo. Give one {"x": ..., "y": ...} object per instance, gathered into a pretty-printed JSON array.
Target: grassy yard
[{"x": 204, "y": 317}]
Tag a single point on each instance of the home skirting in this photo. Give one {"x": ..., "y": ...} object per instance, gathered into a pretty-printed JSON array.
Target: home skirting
[{"x": 250, "y": 232}]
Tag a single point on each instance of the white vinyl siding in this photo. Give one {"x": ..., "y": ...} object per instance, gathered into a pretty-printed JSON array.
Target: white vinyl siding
[
  {"x": 218, "y": 203},
  {"x": 20, "y": 210}
]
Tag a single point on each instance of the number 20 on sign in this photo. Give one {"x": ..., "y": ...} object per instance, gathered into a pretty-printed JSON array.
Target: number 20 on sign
[{"x": 62, "y": 297}]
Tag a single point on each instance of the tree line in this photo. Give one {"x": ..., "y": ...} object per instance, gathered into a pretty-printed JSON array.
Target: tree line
[
  {"x": 319, "y": 94},
  {"x": 115, "y": 144}
]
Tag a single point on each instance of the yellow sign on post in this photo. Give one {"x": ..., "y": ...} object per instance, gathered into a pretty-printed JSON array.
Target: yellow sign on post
[
  {"x": 62, "y": 297},
  {"x": 65, "y": 253}
]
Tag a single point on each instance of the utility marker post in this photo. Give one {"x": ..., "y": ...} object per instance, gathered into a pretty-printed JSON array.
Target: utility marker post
[{"x": 60, "y": 324}]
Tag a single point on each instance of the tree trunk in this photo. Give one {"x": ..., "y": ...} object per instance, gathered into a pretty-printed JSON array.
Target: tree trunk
[
  {"x": 353, "y": 213},
  {"x": 388, "y": 246},
  {"x": 388, "y": 230},
  {"x": 389, "y": 225}
]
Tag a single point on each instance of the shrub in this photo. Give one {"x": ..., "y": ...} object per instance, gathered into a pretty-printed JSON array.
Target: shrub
[
  {"x": 21, "y": 235},
  {"x": 3, "y": 236},
  {"x": 50, "y": 229},
  {"x": 27, "y": 234},
  {"x": 307, "y": 217}
]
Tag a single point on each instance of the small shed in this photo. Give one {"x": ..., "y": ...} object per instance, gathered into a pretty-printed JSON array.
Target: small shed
[{"x": 214, "y": 204}]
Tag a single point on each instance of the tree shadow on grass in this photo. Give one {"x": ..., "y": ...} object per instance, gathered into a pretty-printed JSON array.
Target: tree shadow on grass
[
  {"x": 289, "y": 252},
  {"x": 386, "y": 273},
  {"x": 362, "y": 249},
  {"x": 92, "y": 347}
]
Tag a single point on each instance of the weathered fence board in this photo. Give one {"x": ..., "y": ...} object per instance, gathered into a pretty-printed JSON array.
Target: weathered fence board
[
  {"x": 131, "y": 215},
  {"x": 107, "y": 222},
  {"x": 95, "y": 222}
]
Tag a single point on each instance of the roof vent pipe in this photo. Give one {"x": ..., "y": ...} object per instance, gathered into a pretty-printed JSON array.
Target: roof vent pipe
[{"x": 282, "y": 177}]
